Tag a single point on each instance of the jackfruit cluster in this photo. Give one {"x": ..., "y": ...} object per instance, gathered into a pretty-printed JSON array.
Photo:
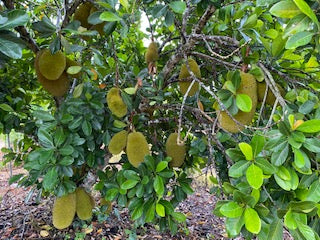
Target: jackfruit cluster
[
  {"x": 184, "y": 73},
  {"x": 59, "y": 86},
  {"x": 175, "y": 151},
  {"x": 118, "y": 142},
  {"x": 63, "y": 211},
  {"x": 152, "y": 55},
  {"x": 83, "y": 12},
  {"x": 247, "y": 86},
  {"x": 84, "y": 204},
  {"x": 270, "y": 99},
  {"x": 137, "y": 148},
  {"x": 115, "y": 103}
]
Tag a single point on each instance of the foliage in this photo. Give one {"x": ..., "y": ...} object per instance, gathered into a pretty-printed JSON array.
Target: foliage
[{"x": 267, "y": 173}]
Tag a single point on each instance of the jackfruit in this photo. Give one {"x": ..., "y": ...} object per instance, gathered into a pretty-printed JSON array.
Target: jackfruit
[
  {"x": 247, "y": 86},
  {"x": 137, "y": 148},
  {"x": 56, "y": 88},
  {"x": 63, "y": 211},
  {"x": 175, "y": 151},
  {"x": 152, "y": 53},
  {"x": 107, "y": 203},
  {"x": 115, "y": 103},
  {"x": 118, "y": 142},
  {"x": 51, "y": 66},
  {"x": 82, "y": 13},
  {"x": 184, "y": 73},
  {"x": 84, "y": 204},
  {"x": 270, "y": 99},
  {"x": 71, "y": 63}
]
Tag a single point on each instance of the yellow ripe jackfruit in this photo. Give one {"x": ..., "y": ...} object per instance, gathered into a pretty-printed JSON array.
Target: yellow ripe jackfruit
[
  {"x": 175, "y": 151},
  {"x": 137, "y": 148},
  {"x": 107, "y": 203},
  {"x": 115, "y": 103},
  {"x": 82, "y": 13},
  {"x": 184, "y": 73},
  {"x": 56, "y": 88},
  {"x": 152, "y": 53},
  {"x": 51, "y": 66},
  {"x": 84, "y": 204},
  {"x": 63, "y": 211},
  {"x": 247, "y": 86},
  {"x": 118, "y": 142},
  {"x": 270, "y": 99}
]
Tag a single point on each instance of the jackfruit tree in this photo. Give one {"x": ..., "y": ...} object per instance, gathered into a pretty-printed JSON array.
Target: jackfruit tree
[{"x": 127, "y": 98}]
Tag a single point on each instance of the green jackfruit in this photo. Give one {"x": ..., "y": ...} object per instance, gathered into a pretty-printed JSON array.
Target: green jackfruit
[
  {"x": 175, "y": 151},
  {"x": 64, "y": 209},
  {"x": 247, "y": 86},
  {"x": 184, "y": 73},
  {"x": 270, "y": 99},
  {"x": 118, "y": 142},
  {"x": 152, "y": 53},
  {"x": 115, "y": 103},
  {"x": 137, "y": 148},
  {"x": 82, "y": 13},
  {"x": 84, "y": 204},
  {"x": 51, "y": 66}
]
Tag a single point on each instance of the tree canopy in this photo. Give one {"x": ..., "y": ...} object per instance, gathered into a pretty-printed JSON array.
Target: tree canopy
[{"x": 226, "y": 85}]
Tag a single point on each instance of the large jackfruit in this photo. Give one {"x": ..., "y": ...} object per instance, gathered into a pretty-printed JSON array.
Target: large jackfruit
[
  {"x": 137, "y": 148},
  {"x": 56, "y": 88},
  {"x": 118, "y": 142},
  {"x": 184, "y": 73},
  {"x": 270, "y": 99},
  {"x": 152, "y": 53},
  {"x": 51, "y": 66},
  {"x": 64, "y": 209},
  {"x": 84, "y": 204},
  {"x": 175, "y": 151},
  {"x": 115, "y": 103},
  {"x": 247, "y": 86},
  {"x": 82, "y": 13}
]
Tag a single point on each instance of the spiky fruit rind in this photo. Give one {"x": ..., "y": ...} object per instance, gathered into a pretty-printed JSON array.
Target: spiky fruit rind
[
  {"x": 247, "y": 86},
  {"x": 84, "y": 204},
  {"x": 152, "y": 53},
  {"x": 51, "y": 66},
  {"x": 115, "y": 103},
  {"x": 118, "y": 142},
  {"x": 184, "y": 73},
  {"x": 270, "y": 99},
  {"x": 63, "y": 211},
  {"x": 137, "y": 148},
  {"x": 82, "y": 13},
  {"x": 175, "y": 151},
  {"x": 56, "y": 88}
]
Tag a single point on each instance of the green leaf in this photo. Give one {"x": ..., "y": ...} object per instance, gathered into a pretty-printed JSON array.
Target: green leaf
[
  {"x": 265, "y": 165},
  {"x": 15, "y": 178},
  {"x": 276, "y": 230},
  {"x": 86, "y": 128},
  {"x": 160, "y": 210},
  {"x": 234, "y": 225},
  {"x": 254, "y": 176},
  {"x": 180, "y": 217},
  {"x": 299, "y": 39},
  {"x": 161, "y": 166},
  {"x": 252, "y": 221},
  {"x": 130, "y": 183},
  {"x": 110, "y": 17},
  {"x": 66, "y": 150},
  {"x": 246, "y": 149},
  {"x": 45, "y": 138},
  {"x": 125, "y": 4},
  {"x": 310, "y": 126},
  {"x": 66, "y": 161},
  {"x": 278, "y": 44},
  {"x": 251, "y": 21},
  {"x": 158, "y": 185},
  {"x": 10, "y": 48},
  {"x": 74, "y": 70},
  {"x": 306, "y": 231},
  {"x": 6, "y": 107},
  {"x": 78, "y": 90},
  {"x": 244, "y": 102},
  {"x": 130, "y": 90},
  {"x": 238, "y": 169},
  {"x": 278, "y": 158},
  {"x": 290, "y": 221},
  {"x": 150, "y": 213},
  {"x": 312, "y": 144},
  {"x": 130, "y": 174},
  {"x": 178, "y": 6},
  {"x": 15, "y": 18},
  {"x": 313, "y": 193},
  {"x": 298, "y": 158},
  {"x": 257, "y": 144},
  {"x": 297, "y": 24},
  {"x": 285, "y": 9},
  {"x": 231, "y": 210},
  {"x": 50, "y": 179},
  {"x": 305, "y": 8},
  {"x": 137, "y": 212}
]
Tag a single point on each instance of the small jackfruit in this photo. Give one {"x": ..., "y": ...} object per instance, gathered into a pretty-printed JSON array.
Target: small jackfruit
[
  {"x": 175, "y": 151},
  {"x": 115, "y": 103},
  {"x": 247, "y": 86},
  {"x": 63, "y": 211},
  {"x": 184, "y": 73},
  {"x": 118, "y": 142},
  {"x": 84, "y": 204},
  {"x": 152, "y": 53},
  {"x": 137, "y": 148},
  {"x": 51, "y": 66},
  {"x": 82, "y": 13},
  {"x": 270, "y": 99},
  {"x": 56, "y": 88},
  {"x": 107, "y": 203}
]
